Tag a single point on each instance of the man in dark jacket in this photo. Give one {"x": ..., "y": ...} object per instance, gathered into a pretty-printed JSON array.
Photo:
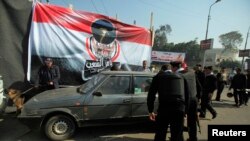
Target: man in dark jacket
[
  {"x": 220, "y": 83},
  {"x": 248, "y": 87},
  {"x": 172, "y": 103},
  {"x": 48, "y": 76},
  {"x": 200, "y": 75},
  {"x": 192, "y": 117},
  {"x": 207, "y": 93},
  {"x": 238, "y": 84}
]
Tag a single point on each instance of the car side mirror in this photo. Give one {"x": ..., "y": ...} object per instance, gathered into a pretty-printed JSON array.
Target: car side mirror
[{"x": 97, "y": 94}]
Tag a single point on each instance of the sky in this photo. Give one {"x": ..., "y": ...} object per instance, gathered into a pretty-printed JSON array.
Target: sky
[{"x": 187, "y": 18}]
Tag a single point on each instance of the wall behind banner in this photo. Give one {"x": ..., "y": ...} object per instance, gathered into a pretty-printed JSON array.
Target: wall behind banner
[{"x": 15, "y": 17}]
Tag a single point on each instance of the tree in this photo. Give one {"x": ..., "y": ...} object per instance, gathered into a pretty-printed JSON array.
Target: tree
[
  {"x": 160, "y": 40},
  {"x": 192, "y": 50},
  {"x": 231, "y": 41},
  {"x": 229, "y": 64}
]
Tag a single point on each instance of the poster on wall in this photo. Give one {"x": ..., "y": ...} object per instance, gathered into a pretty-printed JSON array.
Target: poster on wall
[{"x": 83, "y": 43}]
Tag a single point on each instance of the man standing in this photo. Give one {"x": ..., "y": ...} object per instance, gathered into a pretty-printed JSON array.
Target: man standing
[
  {"x": 145, "y": 67},
  {"x": 200, "y": 75},
  {"x": 221, "y": 82},
  {"x": 248, "y": 87},
  {"x": 48, "y": 76},
  {"x": 172, "y": 100},
  {"x": 208, "y": 90},
  {"x": 192, "y": 109},
  {"x": 238, "y": 84}
]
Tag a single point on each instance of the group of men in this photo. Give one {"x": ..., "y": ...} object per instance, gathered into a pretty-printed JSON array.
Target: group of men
[
  {"x": 180, "y": 91},
  {"x": 177, "y": 95}
]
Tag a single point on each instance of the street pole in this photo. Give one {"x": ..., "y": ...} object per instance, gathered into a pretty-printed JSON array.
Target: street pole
[
  {"x": 245, "y": 49},
  {"x": 208, "y": 18}
]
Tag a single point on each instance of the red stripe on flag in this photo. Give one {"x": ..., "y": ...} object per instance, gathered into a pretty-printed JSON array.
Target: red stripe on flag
[{"x": 82, "y": 21}]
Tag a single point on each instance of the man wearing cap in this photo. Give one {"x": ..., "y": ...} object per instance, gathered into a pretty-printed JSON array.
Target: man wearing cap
[
  {"x": 172, "y": 100},
  {"x": 48, "y": 76}
]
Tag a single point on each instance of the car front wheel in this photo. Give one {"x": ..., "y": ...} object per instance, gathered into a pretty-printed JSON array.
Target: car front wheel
[{"x": 59, "y": 127}]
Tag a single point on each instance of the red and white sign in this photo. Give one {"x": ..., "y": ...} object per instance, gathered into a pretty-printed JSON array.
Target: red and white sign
[{"x": 160, "y": 56}]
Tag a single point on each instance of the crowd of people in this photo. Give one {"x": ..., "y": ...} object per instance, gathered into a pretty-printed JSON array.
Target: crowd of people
[{"x": 187, "y": 93}]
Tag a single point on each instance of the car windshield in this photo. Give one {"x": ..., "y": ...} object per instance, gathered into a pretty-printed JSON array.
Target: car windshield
[{"x": 91, "y": 83}]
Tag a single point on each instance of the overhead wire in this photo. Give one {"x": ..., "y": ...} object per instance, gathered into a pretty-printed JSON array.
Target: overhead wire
[
  {"x": 105, "y": 9},
  {"x": 94, "y": 6}
]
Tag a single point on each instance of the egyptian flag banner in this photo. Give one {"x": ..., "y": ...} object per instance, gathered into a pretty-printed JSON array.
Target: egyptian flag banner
[{"x": 83, "y": 43}]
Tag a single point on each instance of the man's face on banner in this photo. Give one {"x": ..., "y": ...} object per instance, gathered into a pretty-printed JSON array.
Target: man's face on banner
[
  {"x": 103, "y": 43},
  {"x": 103, "y": 50}
]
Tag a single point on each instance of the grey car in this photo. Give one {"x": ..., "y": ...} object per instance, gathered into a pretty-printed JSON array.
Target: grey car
[{"x": 109, "y": 97}]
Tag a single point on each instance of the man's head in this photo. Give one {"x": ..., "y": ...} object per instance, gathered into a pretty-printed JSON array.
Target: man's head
[
  {"x": 223, "y": 69},
  {"x": 165, "y": 67},
  {"x": 198, "y": 66},
  {"x": 144, "y": 64},
  {"x": 48, "y": 62},
  {"x": 238, "y": 70},
  {"x": 208, "y": 69},
  {"x": 175, "y": 65}
]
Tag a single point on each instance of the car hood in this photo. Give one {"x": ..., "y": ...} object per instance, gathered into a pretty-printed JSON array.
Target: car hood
[{"x": 55, "y": 98}]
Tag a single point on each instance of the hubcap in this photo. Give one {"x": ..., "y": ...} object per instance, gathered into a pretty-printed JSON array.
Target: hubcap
[{"x": 60, "y": 127}]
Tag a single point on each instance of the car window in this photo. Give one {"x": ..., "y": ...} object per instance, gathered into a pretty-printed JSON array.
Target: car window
[
  {"x": 142, "y": 84},
  {"x": 91, "y": 83},
  {"x": 115, "y": 85}
]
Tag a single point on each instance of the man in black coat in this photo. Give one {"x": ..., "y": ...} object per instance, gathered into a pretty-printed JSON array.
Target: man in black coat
[
  {"x": 200, "y": 75},
  {"x": 220, "y": 83},
  {"x": 238, "y": 84},
  {"x": 172, "y": 103},
  {"x": 48, "y": 76},
  {"x": 248, "y": 87},
  {"x": 192, "y": 117},
  {"x": 207, "y": 93}
]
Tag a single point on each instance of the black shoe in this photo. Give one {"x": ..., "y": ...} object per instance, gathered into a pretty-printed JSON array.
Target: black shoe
[
  {"x": 214, "y": 115},
  {"x": 236, "y": 105}
]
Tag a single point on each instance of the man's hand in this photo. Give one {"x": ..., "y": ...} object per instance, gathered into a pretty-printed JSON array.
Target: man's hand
[
  {"x": 152, "y": 116},
  {"x": 51, "y": 83}
]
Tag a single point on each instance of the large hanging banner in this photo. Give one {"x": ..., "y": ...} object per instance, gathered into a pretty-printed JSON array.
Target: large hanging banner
[{"x": 83, "y": 43}]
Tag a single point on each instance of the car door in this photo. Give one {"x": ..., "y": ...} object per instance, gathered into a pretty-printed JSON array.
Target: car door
[
  {"x": 115, "y": 100},
  {"x": 141, "y": 86}
]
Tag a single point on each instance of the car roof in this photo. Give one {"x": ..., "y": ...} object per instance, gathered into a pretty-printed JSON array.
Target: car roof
[{"x": 127, "y": 73}]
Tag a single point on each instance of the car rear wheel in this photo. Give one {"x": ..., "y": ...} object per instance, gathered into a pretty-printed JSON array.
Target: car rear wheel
[{"x": 59, "y": 127}]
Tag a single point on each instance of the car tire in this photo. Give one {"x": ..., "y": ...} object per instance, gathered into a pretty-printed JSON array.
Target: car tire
[{"x": 59, "y": 127}]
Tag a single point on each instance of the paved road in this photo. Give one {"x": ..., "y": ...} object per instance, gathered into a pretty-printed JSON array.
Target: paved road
[{"x": 12, "y": 130}]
